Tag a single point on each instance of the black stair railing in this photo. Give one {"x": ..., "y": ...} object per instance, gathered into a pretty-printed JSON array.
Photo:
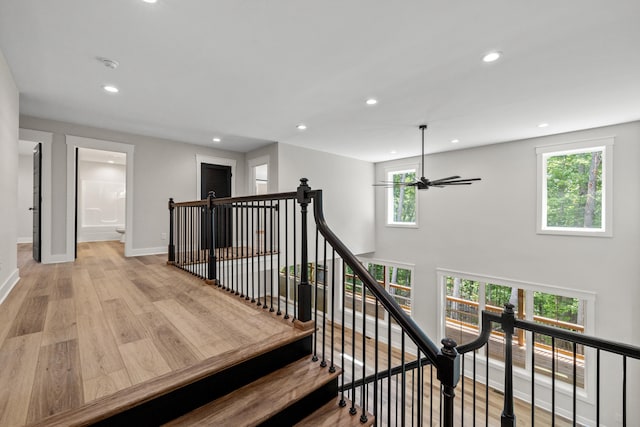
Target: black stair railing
[
  {"x": 262, "y": 249},
  {"x": 508, "y": 323}
]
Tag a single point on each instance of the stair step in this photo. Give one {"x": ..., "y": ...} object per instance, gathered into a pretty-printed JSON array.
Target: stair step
[
  {"x": 332, "y": 414},
  {"x": 259, "y": 401}
]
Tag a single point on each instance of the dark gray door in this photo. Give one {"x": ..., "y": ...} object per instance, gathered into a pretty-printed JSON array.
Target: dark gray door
[
  {"x": 217, "y": 178},
  {"x": 37, "y": 201}
]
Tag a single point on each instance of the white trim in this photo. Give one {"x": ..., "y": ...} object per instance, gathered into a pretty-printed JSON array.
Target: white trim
[
  {"x": 201, "y": 158},
  {"x": 521, "y": 376},
  {"x": 26, "y": 240},
  {"x": 251, "y": 172},
  {"x": 148, "y": 251},
  {"x": 46, "y": 139},
  {"x": 74, "y": 142},
  {"x": 407, "y": 167},
  {"x": 9, "y": 284},
  {"x": 58, "y": 259},
  {"x": 544, "y": 152}
]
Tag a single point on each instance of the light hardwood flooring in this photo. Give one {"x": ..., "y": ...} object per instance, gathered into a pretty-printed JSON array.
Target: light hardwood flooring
[{"x": 76, "y": 332}]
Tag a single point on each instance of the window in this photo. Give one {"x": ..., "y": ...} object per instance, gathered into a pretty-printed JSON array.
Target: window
[
  {"x": 402, "y": 207},
  {"x": 574, "y": 188},
  {"x": 396, "y": 280},
  {"x": 466, "y": 296}
]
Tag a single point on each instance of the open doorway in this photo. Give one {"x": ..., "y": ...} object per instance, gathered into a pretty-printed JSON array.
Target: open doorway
[
  {"x": 96, "y": 170},
  {"x": 29, "y": 196},
  {"x": 101, "y": 189}
]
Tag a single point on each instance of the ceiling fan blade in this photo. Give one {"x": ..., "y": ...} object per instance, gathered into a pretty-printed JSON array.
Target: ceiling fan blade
[
  {"x": 449, "y": 178},
  {"x": 454, "y": 183},
  {"x": 458, "y": 180}
]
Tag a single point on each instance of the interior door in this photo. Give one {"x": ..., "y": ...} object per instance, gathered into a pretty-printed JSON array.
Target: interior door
[
  {"x": 217, "y": 178},
  {"x": 37, "y": 201}
]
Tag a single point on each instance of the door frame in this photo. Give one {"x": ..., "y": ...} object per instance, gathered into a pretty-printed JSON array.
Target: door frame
[
  {"x": 74, "y": 142},
  {"x": 201, "y": 158},
  {"x": 46, "y": 139}
]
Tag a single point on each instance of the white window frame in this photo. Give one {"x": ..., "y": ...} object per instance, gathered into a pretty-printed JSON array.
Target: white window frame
[
  {"x": 543, "y": 153},
  {"x": 389, "y": 196},
  {"x": 564, "y": 391}
]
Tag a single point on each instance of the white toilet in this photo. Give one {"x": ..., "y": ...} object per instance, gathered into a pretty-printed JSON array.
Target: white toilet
[{"x": 121, "y": 231}]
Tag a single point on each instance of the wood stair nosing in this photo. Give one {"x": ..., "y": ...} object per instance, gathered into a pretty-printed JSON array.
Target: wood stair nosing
[
  {"x": 108, "y": 406},
  {"x": 332, "y": 414},
  {"x": 257, "y": 402}
]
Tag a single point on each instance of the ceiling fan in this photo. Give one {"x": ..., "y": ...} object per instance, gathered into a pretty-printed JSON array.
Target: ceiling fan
[{"x": 424, "y": 183}]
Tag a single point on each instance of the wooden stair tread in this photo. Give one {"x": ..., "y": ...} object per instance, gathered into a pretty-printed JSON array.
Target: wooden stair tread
[
  {"x": 257, "y": 402},
  {"x": 138, "y": 394},
  {"x": 332, "y": 414}
]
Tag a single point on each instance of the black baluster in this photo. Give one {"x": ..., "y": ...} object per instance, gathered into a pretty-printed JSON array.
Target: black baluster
[
  {"x": 508, "y": 418},
  {"x": 332, "y": 368},
  {"x": 271, "y": 229},
  {"x": 279, "y": 312},
  {"x": 247, "y": 250},
  {"x": 212, "y": 238},
  {"x": 304, "y": 289},
  {"x": 343, "y": 403},
  {"x": 352, "y": 410},
  {"x": 553, "y": 381},
  {"x": 315, "y": 302},
  {"x": 323, "y": 362},
  {"x": 295, "y": 264},
  {"x": 449, "y": 374},
  {"x": 286, "y": 258},
  {"x": 533, "y": 381},
  {"x": 375, "y": 362},
  {"x": 253, "y": 257},
  {"x": 574, "y": 384},
  {"x": 403, "y": 393},
  {"x": 171, "y": 248},
  {"x": 363, "y": 401}
]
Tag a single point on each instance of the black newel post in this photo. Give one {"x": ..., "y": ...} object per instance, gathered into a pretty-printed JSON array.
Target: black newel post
[
  {"x": 448, "y": 374},
  {"x": 508, "y": 418},
  {"x": 304, "y": 288},
  {"x": 172, "y": 248},
  {"x": 212, "y": 274}
]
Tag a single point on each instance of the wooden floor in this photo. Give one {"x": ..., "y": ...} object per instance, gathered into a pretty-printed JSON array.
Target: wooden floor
[{"x": 76, "y": 332}]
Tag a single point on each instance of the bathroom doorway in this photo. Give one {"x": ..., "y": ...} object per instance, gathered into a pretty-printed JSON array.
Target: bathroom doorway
[{"x": 101, "y": 195}]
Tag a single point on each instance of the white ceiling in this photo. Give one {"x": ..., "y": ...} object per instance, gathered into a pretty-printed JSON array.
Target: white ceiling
[{"x": 249, "y": 71}]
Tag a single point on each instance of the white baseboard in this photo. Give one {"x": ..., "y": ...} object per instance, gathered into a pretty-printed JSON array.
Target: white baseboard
[
  {"x": 8, "y": 284},
  {"x": 148, "y": 251},
  {"x": 25, "y": 239}
]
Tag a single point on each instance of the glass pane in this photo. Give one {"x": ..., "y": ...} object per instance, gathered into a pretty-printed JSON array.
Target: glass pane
[
  {"x": 403, "y": 197},
  {"x": 574, "y": 190},
  {"x": 462, "y": 313}
]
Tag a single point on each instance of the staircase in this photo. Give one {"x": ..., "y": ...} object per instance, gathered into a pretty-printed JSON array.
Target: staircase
[{"x": 275, "y": 383}]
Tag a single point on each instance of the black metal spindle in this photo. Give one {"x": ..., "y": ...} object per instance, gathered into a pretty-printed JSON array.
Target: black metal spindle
[
  {"x": 343, "y": 403},
  {"x": 323, "y": 362},
  {"x": 375, "y": 362},
  {"x": 271, "y": 230},
  {"x": 295, "y": 264},
  {"x": 253, "y": 257},
  {"x": 279, "y": 312},
  {"x": 533, "y": 381},
  {"x": 315, "y": 302},
  {"x": 248, "y": 251},
  {"x": 553, "y": 381},
  {"x": 404, "y": 380},
  {"x": 624, "y": 391},
  {"x": 363, "y": 401},
  {"x": 286, "y": 259},
  {"x": 389, "y": 368},
  {"x": 486, "y": 387},
  {"x": 598, "y": 387},
  {"x": 332, "y": 368},
  {"x": 352, "y": 410},
  {"x": 264, "y": 252},
  {"x": 574, "y": 384}
]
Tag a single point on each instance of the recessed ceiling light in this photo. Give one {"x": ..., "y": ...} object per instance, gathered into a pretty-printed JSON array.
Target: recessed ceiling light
[
  {"x": 149, "y": 1},
  {"x": 110, "y": 89},
  {"x": 301, "y": 126},
  {"x": 393, "y": 151},
  {"x": 110, "y": 161},
  {"x": 216, "y": 139},
  {"x": 372, "y": 101},
  {"x": 455, "y": 141},
  {"x": 543, "y": 125},
  {"x": 109, "y": 63},
  {"x": 492, "y": 56}
]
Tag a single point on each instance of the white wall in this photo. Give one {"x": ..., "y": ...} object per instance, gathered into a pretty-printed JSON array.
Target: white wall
[
  {"x": 347, "y": 191},
  {"x": 8, "y": 178},
  {"x": 489, "y": 228},
  {"x": 162, "y": 169},
  {"x": 25, "y": 199}
]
